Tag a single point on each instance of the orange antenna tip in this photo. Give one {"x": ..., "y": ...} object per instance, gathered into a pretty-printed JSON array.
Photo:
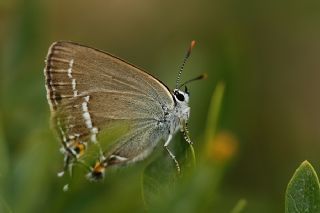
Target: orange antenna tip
[{"x": 193, "y": 43}]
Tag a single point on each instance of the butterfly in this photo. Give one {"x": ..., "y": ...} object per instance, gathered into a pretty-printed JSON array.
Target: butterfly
[{"x": 89, "y": 91}]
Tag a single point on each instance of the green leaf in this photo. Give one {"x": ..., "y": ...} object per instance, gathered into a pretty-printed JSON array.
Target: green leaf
[
  {"x": 160, "y": 178},
  {"x": 303, "y": 191},
  {"x": 239, "y": 206},
  {"x": 214, "y": 111}
]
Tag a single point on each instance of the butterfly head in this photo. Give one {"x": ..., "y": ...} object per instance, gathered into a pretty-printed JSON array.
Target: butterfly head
[
  {"x": 181, "y": 97},
  {"x": 182, "y": 109}
]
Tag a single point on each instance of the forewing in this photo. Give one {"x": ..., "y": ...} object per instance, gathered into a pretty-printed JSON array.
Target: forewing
[{"x": 88, "y": 90}]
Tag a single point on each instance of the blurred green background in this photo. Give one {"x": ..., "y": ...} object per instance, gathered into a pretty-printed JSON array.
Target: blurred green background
[{"x": 265, "y": 52}]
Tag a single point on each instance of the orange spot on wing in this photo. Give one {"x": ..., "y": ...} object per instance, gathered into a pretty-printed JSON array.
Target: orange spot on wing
[{"x": 98, "y": 167}]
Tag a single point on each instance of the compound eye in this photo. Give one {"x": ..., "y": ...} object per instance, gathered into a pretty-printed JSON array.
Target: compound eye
[{"x": 179, "y": 96}]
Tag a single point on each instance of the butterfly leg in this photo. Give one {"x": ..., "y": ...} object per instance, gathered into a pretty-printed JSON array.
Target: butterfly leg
[
  {"x": 170, "y": 153},
  {"x": 185, "y": 131}
]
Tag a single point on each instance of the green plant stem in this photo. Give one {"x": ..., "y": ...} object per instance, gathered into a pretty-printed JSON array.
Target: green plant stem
[{"x": 194, "y": 162}]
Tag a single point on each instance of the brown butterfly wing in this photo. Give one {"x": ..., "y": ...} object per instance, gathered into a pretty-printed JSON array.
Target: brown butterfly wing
[{"x": 88, "y": 90}]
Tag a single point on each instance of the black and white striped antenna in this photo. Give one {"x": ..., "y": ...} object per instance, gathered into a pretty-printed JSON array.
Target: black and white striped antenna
[{"x": 193, "y": 42}]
